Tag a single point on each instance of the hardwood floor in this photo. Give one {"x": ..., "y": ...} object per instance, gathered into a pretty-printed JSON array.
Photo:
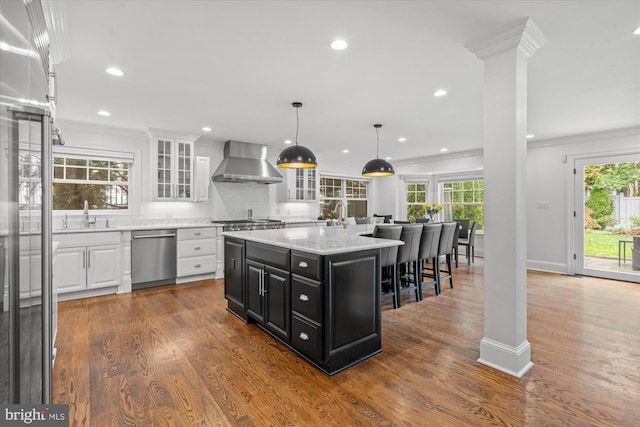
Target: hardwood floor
[{"x": 174, "y": 356}]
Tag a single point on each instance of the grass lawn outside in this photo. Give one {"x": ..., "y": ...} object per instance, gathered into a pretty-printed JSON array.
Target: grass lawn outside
[{"x": 604, "y": 244}]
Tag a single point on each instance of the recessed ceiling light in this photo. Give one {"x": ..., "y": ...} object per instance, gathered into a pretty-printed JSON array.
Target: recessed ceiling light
[
  {"x": 530, "y": 136},
  {"x": 637, "y": 31},
  {"x": 440, "y": 92},
  {"x": 287, "y": 141},
  {"x": 444, "y": 149},
  {"x": 403, "y": 139},
  {"x": 345, "y": 151},
  {"x": 115, "y": 71},
  {"x": 339, "y": 44},
  {"x": 104, "y": 113},
  {"x": 388, "y": 158},
  {"x": 206, "y": 129}
]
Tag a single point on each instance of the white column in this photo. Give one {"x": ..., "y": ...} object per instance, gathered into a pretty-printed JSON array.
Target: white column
[{"x": 505, "y": 346}]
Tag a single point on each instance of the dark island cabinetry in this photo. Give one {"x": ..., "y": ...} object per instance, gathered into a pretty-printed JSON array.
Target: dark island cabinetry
[{"x": 324, "y": 307}]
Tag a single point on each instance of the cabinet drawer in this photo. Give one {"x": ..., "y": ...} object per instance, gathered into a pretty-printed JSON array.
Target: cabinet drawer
[
  {"x": 188, "y": 248},
  {"x": 306, "y": 297},
  {"x": 306, "y": 337},
  {"x": 306, "y": 264},
  {"x": 196, "y": 265},
  {"x": 272, "y": 255},
  {"x": 196, "y": 233}
]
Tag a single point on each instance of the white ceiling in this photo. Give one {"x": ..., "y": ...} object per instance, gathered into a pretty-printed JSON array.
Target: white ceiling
[{"x": 236, "y": 66}]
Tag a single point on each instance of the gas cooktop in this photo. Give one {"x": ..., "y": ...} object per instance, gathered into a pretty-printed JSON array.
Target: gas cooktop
[{"x": 250, "y": 224}]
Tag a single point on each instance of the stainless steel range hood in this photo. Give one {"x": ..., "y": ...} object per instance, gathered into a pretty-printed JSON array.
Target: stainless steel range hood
[{"x": 244, "y": 162}]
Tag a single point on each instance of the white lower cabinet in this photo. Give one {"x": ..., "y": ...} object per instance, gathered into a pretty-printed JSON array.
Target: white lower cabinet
[
  {"x": 196, "y": 251},
  {"x": 94, "y": 265}
]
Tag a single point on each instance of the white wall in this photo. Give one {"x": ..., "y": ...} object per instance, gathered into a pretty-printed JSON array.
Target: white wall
[
  {"x": 550, "y": 179},
  {"x": 547, "y": 180},
  {"x": 226, "y": 200}
]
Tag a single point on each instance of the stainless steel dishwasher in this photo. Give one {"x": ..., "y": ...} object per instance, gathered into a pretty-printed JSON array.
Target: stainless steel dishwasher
[{"x": 153, "y": 258}]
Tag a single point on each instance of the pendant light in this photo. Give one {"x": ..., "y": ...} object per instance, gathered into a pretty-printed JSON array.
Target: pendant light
[
  {"x": 378, "y": 166},
  {"x": 297, "y": 156}
]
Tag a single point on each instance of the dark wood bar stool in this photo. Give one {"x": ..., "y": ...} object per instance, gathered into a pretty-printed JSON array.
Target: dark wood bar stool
[
  {"x": 429, "y": 251},
  {"x": 388, "y": 258},
  {"x": 470, "y": 244},
  {"x": 445, "y": 248},
  {"x": 407, "y": 262}
]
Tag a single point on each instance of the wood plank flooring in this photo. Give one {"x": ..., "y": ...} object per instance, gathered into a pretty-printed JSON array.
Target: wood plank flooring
[{"x": 173, "y": 356}]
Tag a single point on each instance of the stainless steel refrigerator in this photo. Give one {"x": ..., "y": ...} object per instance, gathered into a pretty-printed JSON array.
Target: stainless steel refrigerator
[{"x": 27, "y": 299}]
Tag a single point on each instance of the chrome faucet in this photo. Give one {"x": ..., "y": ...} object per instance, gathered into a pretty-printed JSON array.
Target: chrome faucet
[
  {"x": 86, "y": 222},
  {"x": 342, "y": 216}
]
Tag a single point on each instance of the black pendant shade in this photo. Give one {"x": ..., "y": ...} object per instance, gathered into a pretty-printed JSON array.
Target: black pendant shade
[
  {"x": 297, "y": 156},
  {"x": 378, "y": 166}
]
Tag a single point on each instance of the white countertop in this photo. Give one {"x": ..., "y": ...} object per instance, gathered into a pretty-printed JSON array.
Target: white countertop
[
  {"x": 134, "y": 227},
  {"x": 318, "y": 240}
]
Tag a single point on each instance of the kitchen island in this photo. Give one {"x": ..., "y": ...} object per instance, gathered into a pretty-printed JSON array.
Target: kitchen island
[{"x": 315, "y": 289}]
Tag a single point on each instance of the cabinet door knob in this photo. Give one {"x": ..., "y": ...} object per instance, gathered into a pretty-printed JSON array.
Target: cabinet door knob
[
  {"x": 197, "y": 248},
  {"x": 197, "y": 234},
  {"x": 304, "y": 336},
  {"x": 303, "y": 297},
  {"x": 303, "y": 264},
  {"x": 197, "y": 265}
]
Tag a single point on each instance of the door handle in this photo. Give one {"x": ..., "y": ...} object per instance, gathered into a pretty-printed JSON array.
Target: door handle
[
  {"x": 197, "y": 248},
  {"x": 304, "y": 297},
  {"x": 84, "y": 259},
  {"x": 304, "y": 336},
  {"x": 303, "y": 264},
  {"x": 89, "y": 258}
]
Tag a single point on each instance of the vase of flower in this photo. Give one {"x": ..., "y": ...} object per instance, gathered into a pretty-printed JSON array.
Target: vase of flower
[{"x": 431, "y": 211}]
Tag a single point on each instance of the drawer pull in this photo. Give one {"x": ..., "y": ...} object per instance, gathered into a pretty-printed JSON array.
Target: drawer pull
[
  {"x": 197, "y": 265},
  {"x": 197, "y": 248},
  {"x": 303, "y": 264},
  {"x": 304, "y": 336},
  {"x": 196, "y": 234},
  {"x": 303, "y": 297}
]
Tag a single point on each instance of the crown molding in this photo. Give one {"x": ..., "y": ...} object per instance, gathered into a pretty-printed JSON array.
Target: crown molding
[
  {"x": 443, "y": 156},
  {"x": 525, "y": 35},
  {"x": 586, "y": 137}
]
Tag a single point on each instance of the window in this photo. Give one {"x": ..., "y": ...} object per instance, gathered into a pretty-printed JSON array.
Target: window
[
  {"x": 30, "y": 191},
  {"x": 416, "y": 198},
  {"x": 351, "y": 192},
  {"x": 463, "y": 199},
  {"x": 104, "y": 183}
]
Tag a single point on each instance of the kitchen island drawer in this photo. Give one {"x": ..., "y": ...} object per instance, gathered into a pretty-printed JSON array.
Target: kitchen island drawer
[
  {"x": 306, "y": 337},
  {"x": 268, "y": 254},
  {"x": 197, "y": 233},
  {"x": 196, "y": 265},
  {"x": 306, "y": 264},
  {"x": 196, "y": 247},
  {"x": 306, "y": 297}
]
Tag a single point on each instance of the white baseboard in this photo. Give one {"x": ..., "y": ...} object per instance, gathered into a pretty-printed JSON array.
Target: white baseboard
[
  {"x": 514, "y": 361},
  {"x": 551, "y": 267}
]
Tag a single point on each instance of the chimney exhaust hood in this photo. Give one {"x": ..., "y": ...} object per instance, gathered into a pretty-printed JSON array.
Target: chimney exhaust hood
[{"x": 244, "y": 162}]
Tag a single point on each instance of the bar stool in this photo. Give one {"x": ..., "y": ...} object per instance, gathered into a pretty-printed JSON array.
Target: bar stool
[
  {"x": 388, "y": 257},
  {"x": 445, "y": 247},
  {"x": 429, "y": 251},
  {"x": 408, "y": 257}
]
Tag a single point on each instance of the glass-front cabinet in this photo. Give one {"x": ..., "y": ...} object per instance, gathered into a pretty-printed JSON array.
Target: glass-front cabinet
[
  {"x": 301, "y": 186},
  {"x": 173, "y": 175}
]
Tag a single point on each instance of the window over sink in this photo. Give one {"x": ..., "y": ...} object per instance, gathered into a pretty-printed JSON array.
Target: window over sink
[
  {"x": 103, "y": 182},
  {"x": 351, "y": 192}
]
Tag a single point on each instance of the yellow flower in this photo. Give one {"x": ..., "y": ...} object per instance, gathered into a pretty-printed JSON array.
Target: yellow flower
[{"x": 439, "y": 208}]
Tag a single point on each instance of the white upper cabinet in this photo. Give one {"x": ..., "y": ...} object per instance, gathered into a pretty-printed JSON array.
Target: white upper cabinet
[
  {"x": 301, "y": 186},
  {"x": 173, "y": 173},
  {"x": 203, "y": 178}
]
